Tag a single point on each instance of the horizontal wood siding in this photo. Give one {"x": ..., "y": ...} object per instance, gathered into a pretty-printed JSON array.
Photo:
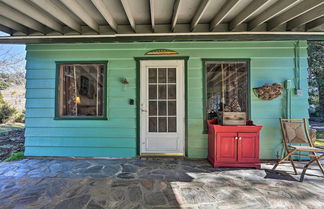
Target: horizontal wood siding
[{"x": 271, "y": 61}]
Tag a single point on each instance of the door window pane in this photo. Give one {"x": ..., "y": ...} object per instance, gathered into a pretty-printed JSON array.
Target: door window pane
[
  {"x": 162, "y": 75},
  {"x": 227, "y": 87},
  {"x": 162, "y": 91},
  {"x": 152, "y": 75},
  {"x": 152, "y": 108},
  {"x": 162, "y": 124},
  {"x": 172, "y": 124},
  {"x": 162, "y": 108},
  {"x": 172, "y": 91},
  {"x": 152, "y": 92},
  {"x": 162, "y": 100},
  {"x": 81, "y": 90},
  {"x": 172, "y": 75},
  {"x": 172, "y": 108},
  {"x": 152, "y": 124}
]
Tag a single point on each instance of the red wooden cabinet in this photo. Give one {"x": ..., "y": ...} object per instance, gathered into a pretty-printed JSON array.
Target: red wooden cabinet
[{"x": 233, "y": 146}]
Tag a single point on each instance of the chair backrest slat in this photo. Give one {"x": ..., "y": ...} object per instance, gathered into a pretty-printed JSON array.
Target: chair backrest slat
[{"x": 294, "y": 131}]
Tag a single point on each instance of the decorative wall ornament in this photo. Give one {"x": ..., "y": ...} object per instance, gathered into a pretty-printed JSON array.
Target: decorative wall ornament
[
  {"x": 161, "y": 52},
  {"x": 268, "y": 92}
]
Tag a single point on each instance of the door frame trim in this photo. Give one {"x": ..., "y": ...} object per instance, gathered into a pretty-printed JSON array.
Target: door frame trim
[{"x": 138, "y": 96}]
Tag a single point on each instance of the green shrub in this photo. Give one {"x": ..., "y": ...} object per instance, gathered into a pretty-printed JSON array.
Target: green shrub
[
  {"x": 15, "y": 156},
  {"x": 1, "y": 99},
  {"x": 6, "y": 111},
  {"x": 19, "y": 117}
]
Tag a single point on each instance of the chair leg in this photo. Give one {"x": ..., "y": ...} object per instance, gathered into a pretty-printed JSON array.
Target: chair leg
[
  {"x": 282, "y": 159},
  {"x": 293, "y": 165},
  {"x": 319, "y": 163},
  {"x": 305, "y": 168}
]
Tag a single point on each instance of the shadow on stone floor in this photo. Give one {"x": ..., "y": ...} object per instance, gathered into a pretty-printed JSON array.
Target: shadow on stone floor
[{"x": 279, "y": 175}]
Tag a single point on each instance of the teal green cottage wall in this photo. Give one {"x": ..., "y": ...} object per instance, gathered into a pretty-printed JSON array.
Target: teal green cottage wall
[{"x": 272, "y": 61}]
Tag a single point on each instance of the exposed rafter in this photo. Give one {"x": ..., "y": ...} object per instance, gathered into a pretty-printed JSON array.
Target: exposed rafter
[
  {"x": 175, "y": 14},
  {"x": 315, "y": 23},
  {"x": 76, "y": 8},
  {"x": 18, "y": 17},
  {"x": 250, "y": 9},
  {"x": 99, "y": 4},
  {"x": 271, "y": 12},
  {"x": 294, "y": 12},
  {"x": 224, "y": 11},
  {"x": 56, "y": 11},
  {"x": 152, "y": 2},
  {"x": 200, "y": 11},
  {"x": 6, "y": 29},
  {"x": 13, "y": 25},
  {"x": 129, "y": 15},
  {"x": 36, "y": 14},
  {"x": 80, "y": 17},
  {"x": 307, "y": 17}
]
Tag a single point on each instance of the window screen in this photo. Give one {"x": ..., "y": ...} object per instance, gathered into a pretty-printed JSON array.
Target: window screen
[
  {"x": 226, "y": 84},
  {"x": 81, "y": 90}
]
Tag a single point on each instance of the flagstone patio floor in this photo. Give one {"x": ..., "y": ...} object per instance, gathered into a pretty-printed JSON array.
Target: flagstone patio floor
[{"x": 153, "y": 183}]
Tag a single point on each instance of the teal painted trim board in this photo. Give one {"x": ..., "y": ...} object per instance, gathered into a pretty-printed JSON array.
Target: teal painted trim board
[{"x": 270, "y": 61}]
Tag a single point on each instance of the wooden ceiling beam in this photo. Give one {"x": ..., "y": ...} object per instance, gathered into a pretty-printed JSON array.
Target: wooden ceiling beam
[
  {"x": 78, "y": 10},
  {"x": 13, "y": 25},
  {"x": 36, "y": 14},
  {"x": 129, "y": 15},
  {"x": 152, "y": 14},
  {"x": 294, "y": 12},
  {"x": 6, "y": 29},
  {"x": 20, "y": 18},
  {"x": 223, "y": 12},
  {"x": 199, "y": 13},
  {"x": 247, "y": 12},
  {"x": 56, "y": 11},
  {"x": 315, "y": 23},
  {"x": 101, "y": 7},
  {"x": 306, "y": 18},
  {"x": 271, "y": 12},
  {"x": 175, "y": 14}
]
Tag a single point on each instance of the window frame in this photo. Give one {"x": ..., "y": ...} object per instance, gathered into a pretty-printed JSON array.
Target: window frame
[
  {"x": 57, "y": 92},
  {"x": 215, "y": 60}
]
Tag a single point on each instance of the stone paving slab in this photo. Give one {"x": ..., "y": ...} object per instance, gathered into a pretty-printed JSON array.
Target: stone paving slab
[{"x": 158, "y": 183}]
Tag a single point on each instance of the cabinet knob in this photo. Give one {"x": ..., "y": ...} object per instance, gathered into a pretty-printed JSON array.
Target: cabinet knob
[
  {"x": 240, "y": 138},
  {"x": 236, "y": 138}
]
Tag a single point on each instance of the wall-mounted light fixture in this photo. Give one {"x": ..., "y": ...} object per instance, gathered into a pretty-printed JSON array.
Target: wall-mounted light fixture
[{"x": 125, "y": 82}]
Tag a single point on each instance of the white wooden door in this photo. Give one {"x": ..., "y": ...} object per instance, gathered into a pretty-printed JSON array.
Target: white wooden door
[{"x": 162, "y": 107}]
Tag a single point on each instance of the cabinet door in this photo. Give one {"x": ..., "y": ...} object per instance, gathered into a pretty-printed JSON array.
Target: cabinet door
[
  {"x": 248, "y": 147},
  {"x": 226, "y": 147}
]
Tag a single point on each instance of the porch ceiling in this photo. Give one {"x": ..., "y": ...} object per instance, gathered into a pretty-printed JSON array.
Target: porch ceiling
[{"x": 29, "y": 21}]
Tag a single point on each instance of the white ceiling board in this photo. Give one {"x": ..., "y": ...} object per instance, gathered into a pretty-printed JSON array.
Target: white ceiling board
[
  {"x": 187, "y": 10},
  {"x": 140, "y": 11},
  {"x": 67, "y": 11},
  {"x": 163, "y": 11},
  {"x": 91, "y": 9},
  {"x": 241, "y": 5},
  {"x": 212, "y": 9},
  {"x": 116, "y": 9},
  {"x": 262, "y": 9}
]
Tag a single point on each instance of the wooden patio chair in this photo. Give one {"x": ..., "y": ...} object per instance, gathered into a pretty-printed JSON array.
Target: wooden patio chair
[{"x": 295, "y": 133}]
